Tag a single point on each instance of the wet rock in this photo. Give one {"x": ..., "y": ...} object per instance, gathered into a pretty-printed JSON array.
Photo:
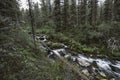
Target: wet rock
[
  {"x": 73, "y": 58},
  {"x": 83, "y": 62},
  {"x": 103, "y": 79},
  {"x": 94, "y": 64},
  {"x": 115, "y": 69},
  {"x": 0, "y": 49},
  {"x": 112, "y": 79},
  {"x": 102, "y": 74},
  {"x": 85, "y": 71},
  {"x": 94, "y": 71},
  {"x": 67, "y": 56}
]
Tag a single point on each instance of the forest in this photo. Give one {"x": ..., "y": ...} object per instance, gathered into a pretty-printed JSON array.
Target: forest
[{"x": 60, "y": 40}]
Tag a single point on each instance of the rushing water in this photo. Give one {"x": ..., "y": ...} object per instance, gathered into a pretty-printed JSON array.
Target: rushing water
[
  {"x": 111, "y": 67},
  {"x": 106, "y": 65}
]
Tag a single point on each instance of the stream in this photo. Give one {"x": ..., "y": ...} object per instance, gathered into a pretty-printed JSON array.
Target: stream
[
  {"x": 105, "y": 67},
  {"x": 102, "y": 65}
]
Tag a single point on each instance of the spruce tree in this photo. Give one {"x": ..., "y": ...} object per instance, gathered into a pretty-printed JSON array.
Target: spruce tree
[
  {"x": 37, "y": 14},
  {"x": 93, "y": 12},
  {"x": 101, "y": 14},
  {"x": 83, "y": 11},
  {"x": 117, "y": 10},
  {"x": 44, "y": 12},
  {"x": 108, "y": 10},
  {"x": 73, "y": 13},
  {"x": 78, "y": 15},
  {"x": 49, "y": 7},
  {"x": 32, "y": 21},
  {"x": 9, "y": 8},
  {"x": 66, "y": 14},
  {"x": 57, "y": 15}
]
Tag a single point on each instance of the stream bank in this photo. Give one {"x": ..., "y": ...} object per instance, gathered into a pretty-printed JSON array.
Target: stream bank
[{"x": 93, "y": 67}]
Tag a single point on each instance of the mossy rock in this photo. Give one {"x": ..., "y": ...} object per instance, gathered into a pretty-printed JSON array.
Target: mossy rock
[{"x": 54, "y": 45}]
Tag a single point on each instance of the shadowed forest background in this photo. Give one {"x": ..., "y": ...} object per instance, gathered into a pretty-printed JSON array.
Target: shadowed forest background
[{"x": 85, "y": 26}]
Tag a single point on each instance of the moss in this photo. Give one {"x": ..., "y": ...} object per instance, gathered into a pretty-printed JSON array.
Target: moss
[
  {"x": 77, "y": 39},
  {"x": 54, "y": 45},
  {"x": 116, "y": 54}
]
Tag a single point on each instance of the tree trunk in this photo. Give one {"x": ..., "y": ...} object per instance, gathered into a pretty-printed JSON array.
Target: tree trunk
[{"x": 32, "y": 21}]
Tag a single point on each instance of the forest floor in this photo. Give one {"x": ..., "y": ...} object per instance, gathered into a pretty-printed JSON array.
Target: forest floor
[
  {"x": 27, "y": 60},
  {"x": 55, "y": 39},
  {"x": 60, "y": 41}
]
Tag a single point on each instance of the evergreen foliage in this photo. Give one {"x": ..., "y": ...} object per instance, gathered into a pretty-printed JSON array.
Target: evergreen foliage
[
  {"x": 83, "y": 12},
  {"x": 117, "y": 10},
  {"x": 108, "y": 10},
  {"x": 9, "y": 9},
  {"x": 85, "y": 26}
]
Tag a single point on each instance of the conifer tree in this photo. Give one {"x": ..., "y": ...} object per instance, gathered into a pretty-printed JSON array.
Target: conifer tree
[
  {"x": 73, "y": 13},
  {"x": 37, "y": 14},
  {"x": 93, "y": 12},
  {"x": 9, "y": 8},
  {"x": 101, "y": 13},
  {"x": 66, "y": 14},
  {"x": 117, "y": 10},
  {"x": 44, "y": 13},
  {"x": 78, "y": 10},
  {"x": 57, "y": 15},
  {"x": 32, "y": 21},
  {"x": 83, "y": 11},
  {"x": 108, "y": 10},
  {"x": 49, "y": 7}
]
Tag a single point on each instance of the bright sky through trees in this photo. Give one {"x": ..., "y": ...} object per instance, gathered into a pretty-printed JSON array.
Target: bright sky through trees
[{"x": 23, "y": 3}]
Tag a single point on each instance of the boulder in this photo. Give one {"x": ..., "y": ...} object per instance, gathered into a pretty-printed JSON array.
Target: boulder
[
  {"x": 102, "y": 74},
  {"x": 85, "y": 71},
  {"x": 82, "y": 62},
  {"x": 112, "y": 79}
]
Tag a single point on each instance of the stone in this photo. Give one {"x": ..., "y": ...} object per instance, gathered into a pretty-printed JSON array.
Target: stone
[
  {"x": 83, "y": 62},
  {"x": 67, "y": 56},
  {"x": 103, "y": 79},
  {"x": 112, "y": 79},
  {"x": 102, "y": 74},
  {"x": 85, "y": 71},
  {"x": 114, "y": 68}
]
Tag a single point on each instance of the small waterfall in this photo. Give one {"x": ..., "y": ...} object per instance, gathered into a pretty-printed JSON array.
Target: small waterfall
[
  {"x": 102, "y": 64},
  {"x": 112, "y": 68}
]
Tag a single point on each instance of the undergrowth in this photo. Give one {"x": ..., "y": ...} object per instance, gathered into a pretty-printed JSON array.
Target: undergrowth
[{"x": 19, "y": 60}]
